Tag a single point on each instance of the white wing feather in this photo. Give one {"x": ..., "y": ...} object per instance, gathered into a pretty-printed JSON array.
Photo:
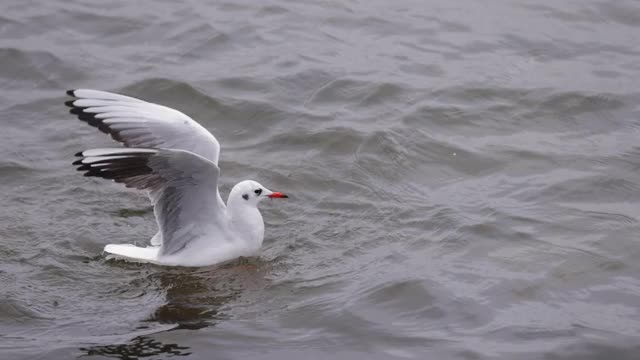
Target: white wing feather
[
  {"x": 183, "y": 188},
  {"x": 137, "y": 123}
]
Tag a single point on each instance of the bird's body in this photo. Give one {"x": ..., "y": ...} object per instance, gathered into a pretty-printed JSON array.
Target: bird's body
[{"x": 175, "y": 160}]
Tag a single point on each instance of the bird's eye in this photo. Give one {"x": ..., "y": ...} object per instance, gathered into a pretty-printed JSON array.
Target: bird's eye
[{"x": 258, "y": 191}]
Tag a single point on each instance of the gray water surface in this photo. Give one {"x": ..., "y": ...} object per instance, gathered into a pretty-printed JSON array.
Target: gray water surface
[{"x": 464, "y": 179}]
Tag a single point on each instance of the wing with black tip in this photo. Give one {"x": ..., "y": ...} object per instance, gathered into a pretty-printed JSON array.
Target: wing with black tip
[
  {"x": 183, "y": 188},
  {"x": 137, "y": 123}
]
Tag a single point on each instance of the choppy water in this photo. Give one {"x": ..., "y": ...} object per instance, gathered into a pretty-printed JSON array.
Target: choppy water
[{"x": 464, "y": 177}]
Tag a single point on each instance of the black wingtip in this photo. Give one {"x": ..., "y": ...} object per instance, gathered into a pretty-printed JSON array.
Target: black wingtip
[
  {"x": 70, "y": 92},
  {"x": 69, "y": 103},
  {"x": 79, "y": 153},
  {"x": 77, "y": 162}
]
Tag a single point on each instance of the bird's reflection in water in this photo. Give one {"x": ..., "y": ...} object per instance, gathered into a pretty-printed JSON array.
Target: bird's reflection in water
[
  {"x": 194, "y": 299},
  {"x": 139, "y": 347}
]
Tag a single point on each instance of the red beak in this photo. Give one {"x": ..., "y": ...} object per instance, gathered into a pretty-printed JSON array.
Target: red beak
[{"x": 277, "y": 195}]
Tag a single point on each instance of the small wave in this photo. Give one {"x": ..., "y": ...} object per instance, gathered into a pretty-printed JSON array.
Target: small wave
[{"x": 39, "y": 68}]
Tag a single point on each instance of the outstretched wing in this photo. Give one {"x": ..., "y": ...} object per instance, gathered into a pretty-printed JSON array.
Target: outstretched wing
[
  {"x": 137, "y": 123},
  {"x": 183, "y": 188}
]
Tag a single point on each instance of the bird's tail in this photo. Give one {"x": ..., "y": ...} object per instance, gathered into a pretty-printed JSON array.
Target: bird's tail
[{"x": 132, "y": 253}]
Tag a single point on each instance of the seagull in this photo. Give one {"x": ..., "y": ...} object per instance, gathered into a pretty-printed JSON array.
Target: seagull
[{"x": 175, "y": 160}]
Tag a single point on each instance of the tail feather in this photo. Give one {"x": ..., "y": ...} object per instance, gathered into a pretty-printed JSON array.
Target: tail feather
[
  {"x": 156, "y": 240},
  {"x": 132, "y": 253}
]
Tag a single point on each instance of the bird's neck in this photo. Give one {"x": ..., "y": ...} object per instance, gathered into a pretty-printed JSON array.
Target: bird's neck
[{"x": 247, "y": 222}]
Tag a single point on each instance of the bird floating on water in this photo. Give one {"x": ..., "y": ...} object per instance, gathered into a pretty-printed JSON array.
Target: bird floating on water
[{"x": 175, "y": 160}]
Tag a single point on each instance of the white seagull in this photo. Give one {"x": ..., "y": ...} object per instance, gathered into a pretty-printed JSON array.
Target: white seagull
[{"x": 175, "y": 160}]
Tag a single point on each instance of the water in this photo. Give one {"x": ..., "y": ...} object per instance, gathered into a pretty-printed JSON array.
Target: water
[{"x": 463, "y": 177}]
